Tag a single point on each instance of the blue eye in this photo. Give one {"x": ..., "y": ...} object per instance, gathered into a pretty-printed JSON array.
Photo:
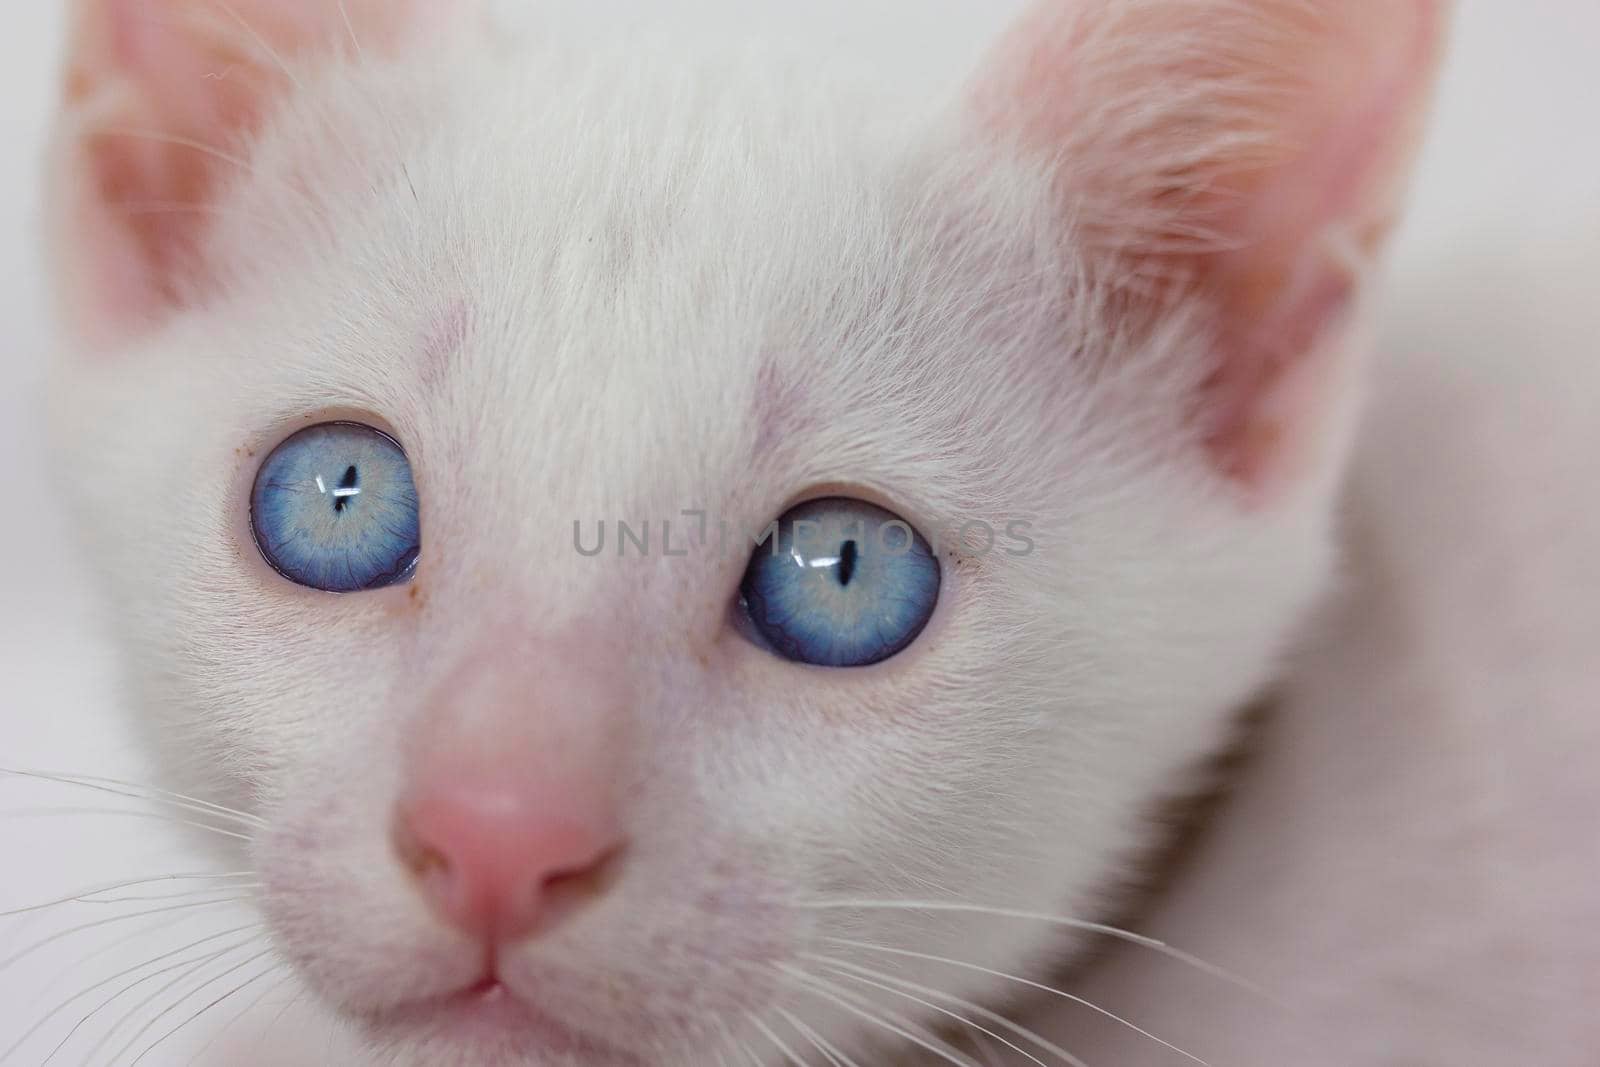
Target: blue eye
[
  {"x": 334, "y": 508},
  {"x": 843, "y": 584}
]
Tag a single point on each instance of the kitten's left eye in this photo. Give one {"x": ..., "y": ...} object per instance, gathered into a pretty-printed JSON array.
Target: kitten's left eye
[
  {"x": 845, "y": 584},
  {"x": 334, "y": 508}
]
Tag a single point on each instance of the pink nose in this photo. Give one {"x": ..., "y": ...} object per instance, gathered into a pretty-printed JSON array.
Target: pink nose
[
  {"x": 510, "y": 817},
  {"x": 499, "y": 862}
]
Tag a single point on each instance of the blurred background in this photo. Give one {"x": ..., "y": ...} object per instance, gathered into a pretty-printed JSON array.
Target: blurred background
[{"x": 1511, "y": 173}]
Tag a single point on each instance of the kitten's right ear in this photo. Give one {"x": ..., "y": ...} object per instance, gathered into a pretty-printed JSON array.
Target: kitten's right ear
[{"x": 160, "y": 100}]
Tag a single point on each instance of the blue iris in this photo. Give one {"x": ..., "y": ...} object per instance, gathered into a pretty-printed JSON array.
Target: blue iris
[
  {"x": 843, "y": 584},
  {"x": 334, "y": 508}
]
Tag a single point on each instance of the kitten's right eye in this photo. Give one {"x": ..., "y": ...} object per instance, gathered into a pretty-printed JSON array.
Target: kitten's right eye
[{"x": 334, "y": 508}]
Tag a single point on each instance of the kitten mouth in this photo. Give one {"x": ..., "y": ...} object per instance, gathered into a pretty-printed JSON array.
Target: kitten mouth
[{"x": 488, "y": 1013}]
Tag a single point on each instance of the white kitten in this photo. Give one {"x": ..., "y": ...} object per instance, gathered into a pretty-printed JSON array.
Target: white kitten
[{"x": 524, "y": 805}]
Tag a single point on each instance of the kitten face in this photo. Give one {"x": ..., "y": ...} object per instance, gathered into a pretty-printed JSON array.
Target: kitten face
[{"x": 645, "y": 288}]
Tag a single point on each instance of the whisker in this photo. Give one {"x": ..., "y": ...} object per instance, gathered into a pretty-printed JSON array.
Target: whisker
[
  {"x": 826, "y": 1055},
  {"x": 863, "y": 1001},
  {"x": 985, "y": 1049},
  {"x": 246, "y": 984},
  {"x": 979, "y": 1027},
  {"x": 46, "y": 813},
  {"x": 977, "y": 1009},
  {"x": 118, "y": 787},
  {"x": 766, "y": 1031},
  {"x": 61, "y": 1007},
  {"x": 1055, "y": 920},
  {"x": 1114, "y": 1017},
  {"x": 220, "y": 809},
  {"x": 291, "y": 1002},
  {"x": 174, "y": 1006},
  {"x": 83, "y": 895},
  {"x": 735, "y": 1044},
  {"x": 240, "y": 887},
  {"x": 731, "y": 1043},
  {"x": 59, "y": 935},
  {"x": 820, "y": 988},
  {"x": 110, "y": 946},
  {"x": 189, "y": 967},
  {"x": 843, "y": 969},
  {"x": 835, "y": 1057},
  {"x": 248, "y": 1008}
]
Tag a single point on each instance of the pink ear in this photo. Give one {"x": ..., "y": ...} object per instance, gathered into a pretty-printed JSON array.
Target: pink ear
[
  {"x": 156, "y": 93},
  {"x": 1248, "y": 153}
]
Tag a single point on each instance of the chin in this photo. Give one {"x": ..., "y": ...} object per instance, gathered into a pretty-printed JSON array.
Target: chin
[{"x": 488, "y": 1026}]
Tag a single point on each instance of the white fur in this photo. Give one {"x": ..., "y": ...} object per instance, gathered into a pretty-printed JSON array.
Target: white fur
[
  {"x": 643, "y": 243},
  {"x": 1408, "y": 864}
]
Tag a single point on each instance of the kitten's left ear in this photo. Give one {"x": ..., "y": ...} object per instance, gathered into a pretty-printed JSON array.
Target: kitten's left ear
[
  {"x": 159, "y": 102},
  {"x": 1245, "y": 157}
]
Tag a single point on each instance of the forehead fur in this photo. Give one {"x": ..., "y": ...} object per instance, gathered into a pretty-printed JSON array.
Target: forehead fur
[{"x": 704, "y": 276}]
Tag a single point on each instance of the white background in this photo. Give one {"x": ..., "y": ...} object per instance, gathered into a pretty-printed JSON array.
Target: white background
[{"x": 1513, "y": 163}]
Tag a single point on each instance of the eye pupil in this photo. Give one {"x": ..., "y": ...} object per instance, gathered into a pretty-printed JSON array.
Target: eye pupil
[
  {"x": 347, "y": 483},
  {"x": 847, "y": 562}
]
